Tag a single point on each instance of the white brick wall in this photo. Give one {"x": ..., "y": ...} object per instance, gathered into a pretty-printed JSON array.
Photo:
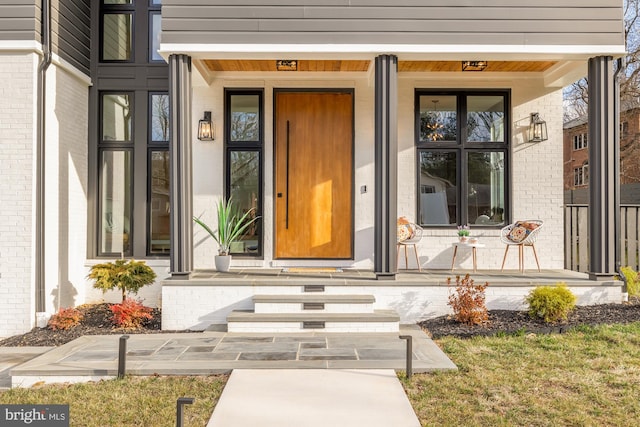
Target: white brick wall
[{"x": 17, "y": 143}]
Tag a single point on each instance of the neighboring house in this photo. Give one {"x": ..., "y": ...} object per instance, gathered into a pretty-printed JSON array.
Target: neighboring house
[
  {"x": 331, "y": 120},
  {"x": 576, "y": 157}
]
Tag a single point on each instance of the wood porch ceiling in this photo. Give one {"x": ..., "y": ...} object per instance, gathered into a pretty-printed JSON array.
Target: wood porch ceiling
[{"x": 220, "y": 65}]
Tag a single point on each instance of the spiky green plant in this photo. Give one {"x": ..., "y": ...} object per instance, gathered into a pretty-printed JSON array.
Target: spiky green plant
[
  {"x": 126, "y": 275},
  {"x": 231, "y": 225}
]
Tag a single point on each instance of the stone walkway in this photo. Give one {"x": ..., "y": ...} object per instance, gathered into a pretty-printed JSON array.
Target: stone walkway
[{"x": 96, "y": 357}]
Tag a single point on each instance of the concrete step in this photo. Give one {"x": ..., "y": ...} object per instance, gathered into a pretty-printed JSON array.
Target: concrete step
[
  {"x": 304, "y": 303},
  {"x": 250, "y": 321}
]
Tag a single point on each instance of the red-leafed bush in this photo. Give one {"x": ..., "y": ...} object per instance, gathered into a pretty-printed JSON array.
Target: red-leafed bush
[
  {"x": 130, "y": 314},
  {"x": 65, "y": 318},
  {"x": 468, "y": 301}
]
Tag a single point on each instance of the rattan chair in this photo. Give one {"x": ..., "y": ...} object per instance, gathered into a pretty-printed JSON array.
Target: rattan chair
[
  {"x": 411, "y": 241},
  {"x": 511, "y": 236}
]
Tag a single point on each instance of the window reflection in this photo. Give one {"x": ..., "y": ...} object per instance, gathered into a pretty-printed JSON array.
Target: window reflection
[
  {"x": 116, "y": 117},
  {"x": 244, "y": 188},
  {"x": 245, "y": 118},
  {"x": 159, "y": 185},
  {"x": 438, "y": 175},
  {"x": 116, "y": 37},
  {"x": 485, "y": 188},
  {"x": 160, "y": 118},
  {"x": 115, "y": 199},
  {"x": 438, "y": 118},
  {"x": 485, "y": 119}
]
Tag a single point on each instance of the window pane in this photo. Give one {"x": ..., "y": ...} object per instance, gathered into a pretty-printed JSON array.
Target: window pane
[
  {"x": 116, "y": 117},
  {"x": 486, "y": 187},
  {"x": 485, "y": 118},
  {"x": 438, "y": 175},
  {"x": 156, "y": 1},
  {"x": 115, "y": 202},
  {"x": 160, "y": 118},
  {"x": 438, "y": 118},
  {"x": 116, "y": 37},
  {"x": 154, "y": 37},
  {"x": 244, "y": 188},
  {"x": 159, "y": 185},
  {"x": 118, "y": 1},
  {"x": 245, "y": 118}
]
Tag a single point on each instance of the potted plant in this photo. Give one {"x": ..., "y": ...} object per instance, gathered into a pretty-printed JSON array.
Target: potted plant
[
  {"x": 231, "y": 227},
  {"x": 463, "y": 233}
]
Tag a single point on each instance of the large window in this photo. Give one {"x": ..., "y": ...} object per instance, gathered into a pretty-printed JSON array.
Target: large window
[
  {"x": 244, "y": 147},
  {"x": 131, "y": 164},
  {"x": 116, "y": 27},
  {"x": 462, "y": 145}
]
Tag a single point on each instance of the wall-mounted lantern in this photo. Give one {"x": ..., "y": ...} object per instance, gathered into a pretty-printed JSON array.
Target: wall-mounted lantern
[
  {"x": 205, "y": 128},
  {"x": 537, "y": 129}
]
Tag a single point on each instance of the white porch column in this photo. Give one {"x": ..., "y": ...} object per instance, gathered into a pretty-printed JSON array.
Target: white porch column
[
  {"x": 180, "y": 170},
  {"x": 602, "y": 169},
  {"x": 386, "y": 165}
]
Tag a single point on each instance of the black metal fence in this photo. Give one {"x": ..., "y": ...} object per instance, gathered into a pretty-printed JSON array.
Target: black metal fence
[{"x": 576, "y": 244}]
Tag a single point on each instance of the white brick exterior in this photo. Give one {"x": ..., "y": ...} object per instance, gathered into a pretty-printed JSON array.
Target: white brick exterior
[
  {"x": 66, "y": 189},
  {"x": 536, "y": 169},
  {"x": 17, "y": 145}
]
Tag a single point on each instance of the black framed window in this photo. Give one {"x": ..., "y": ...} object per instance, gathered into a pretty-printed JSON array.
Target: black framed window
[
  {"x": 158, "y": 222},
  {"x": 244, "y": 137},
  {"x": 116, "y": 31},
  {"x": 115, "y": 174},
  {"x": 463, "y": 157}
]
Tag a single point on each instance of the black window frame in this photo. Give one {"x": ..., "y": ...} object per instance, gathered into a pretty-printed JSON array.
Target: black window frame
[
  {"x": 120, "y": 9},
  {"x": 461, "y": 147},
  {"x": 253, "y": 146}
]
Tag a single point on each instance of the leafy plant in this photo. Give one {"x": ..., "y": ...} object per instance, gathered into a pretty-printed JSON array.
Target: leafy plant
[
  {"x": 128, "y": 276},
  {"x": 551, "y": 303},
  {"x": 65, "y": 318},
  {"x": 231, "y": 225},
  {"x": 463, "y": 230},
  {"x": 130, "y": 314},
  {"x": 468, "y": 301},
  {"x": 633, "y": 285}
]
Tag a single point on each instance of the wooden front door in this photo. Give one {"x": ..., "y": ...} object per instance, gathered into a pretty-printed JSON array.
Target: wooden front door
[{"x": 314, "y": 175}]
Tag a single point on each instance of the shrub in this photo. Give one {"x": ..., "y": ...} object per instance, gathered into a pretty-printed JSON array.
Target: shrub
[
  {"x": 65, "y": 318},
  {"x": 551, "y": 303},
  {"x": 128, "y": 276},
  {"x": 130, "y": 314},
  {"x": 633, "y": 287},
  {"x": 468, "y": 301}
]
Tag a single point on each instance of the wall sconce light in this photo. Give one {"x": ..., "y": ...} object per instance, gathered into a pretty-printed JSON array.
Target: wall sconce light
[
  {"x": 286, "y": 65},
  {"x": 537, "y": 129},
  {"x": 205, "y": 128},
  {"x": 474, "y": 65}
]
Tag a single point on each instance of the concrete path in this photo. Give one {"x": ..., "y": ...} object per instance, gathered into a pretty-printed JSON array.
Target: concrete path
[
  {"x": 313, "y": 398},
  {"x": 14, "y": 356}
]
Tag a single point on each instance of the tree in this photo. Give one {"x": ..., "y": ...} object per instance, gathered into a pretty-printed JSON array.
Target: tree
[
  {"x": 576, "y": 95},
  {"x": 128, "y": 276}
]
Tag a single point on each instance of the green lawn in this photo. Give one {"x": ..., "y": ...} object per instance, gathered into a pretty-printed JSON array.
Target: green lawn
[
  {"x": 587, "y": 377},
  {"x": 132, "y": 401}
]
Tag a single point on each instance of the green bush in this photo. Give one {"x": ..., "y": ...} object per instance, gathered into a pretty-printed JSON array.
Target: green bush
[
  {"x": 633, "y": 287},
  {"x": 551, "y": 303},
  {"x": 128, "y": 276}
]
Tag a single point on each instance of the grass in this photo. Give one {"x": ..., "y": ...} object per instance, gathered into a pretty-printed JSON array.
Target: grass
[
  {"x": 587, "y": 377},
  {"x": 132, "y": 401}
]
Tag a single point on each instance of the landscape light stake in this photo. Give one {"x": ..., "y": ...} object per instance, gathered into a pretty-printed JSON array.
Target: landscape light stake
[
  {"x": 179, "y": 411},
  {"x": 409, "y": 339},
  {"x": 122, "y": 356}
]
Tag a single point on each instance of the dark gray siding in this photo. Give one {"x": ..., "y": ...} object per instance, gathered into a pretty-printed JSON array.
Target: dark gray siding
[
  {"x": 20, "y": 20},
  {"x": 504, "y": 22},
  {"x": 71, "y": 38}
]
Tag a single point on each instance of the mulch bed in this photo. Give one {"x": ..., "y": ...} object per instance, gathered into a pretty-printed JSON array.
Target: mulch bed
[
  {"x": 96, "y": 321},
  {"x": 511, "y": 322}
]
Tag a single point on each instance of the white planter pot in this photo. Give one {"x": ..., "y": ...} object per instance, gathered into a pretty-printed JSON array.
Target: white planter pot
[{"x": 223, "y": 262}]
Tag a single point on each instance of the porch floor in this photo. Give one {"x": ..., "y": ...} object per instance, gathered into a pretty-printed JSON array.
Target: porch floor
[{"x": 404, "y": 277}]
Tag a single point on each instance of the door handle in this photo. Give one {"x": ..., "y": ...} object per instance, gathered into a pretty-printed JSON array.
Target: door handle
[{"x": 286, "y": 215}]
